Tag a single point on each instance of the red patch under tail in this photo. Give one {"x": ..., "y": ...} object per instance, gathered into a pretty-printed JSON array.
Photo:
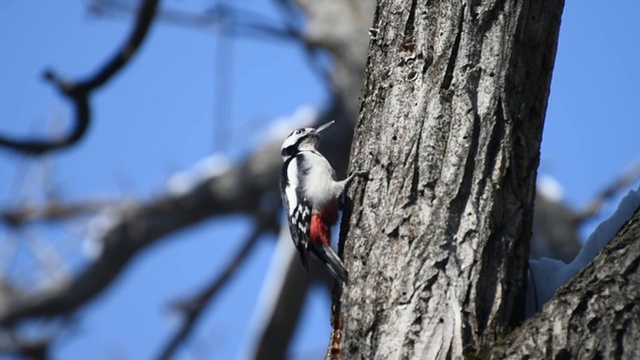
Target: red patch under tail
[{"x": 321, "y": 222}]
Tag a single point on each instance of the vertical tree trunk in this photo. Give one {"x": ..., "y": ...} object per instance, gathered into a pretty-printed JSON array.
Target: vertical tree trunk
[{"x": 453, "y": 103}]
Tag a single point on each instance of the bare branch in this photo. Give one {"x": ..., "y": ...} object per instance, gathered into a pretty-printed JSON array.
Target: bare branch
[
  {"x": 241, "y": 189},
  {"x": 35, "y": 349},
  {"x": 52, "y": 211},
  {"x": 27, "y": 345},
  {"x": 79, "y": 93},
  {"x": 281, "y": 300},
  {"x": 235, "y": 21},
  {"x": 628, "y": 177},
  {"x": 191, "y": 309},
  {"x": 595, "y": 315}
]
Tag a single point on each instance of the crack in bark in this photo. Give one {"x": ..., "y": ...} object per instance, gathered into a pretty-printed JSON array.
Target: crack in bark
[
  {"x": 413, "y": 334},
  {"x": 410, "y": 24},
  {"x": 415, "y": 179},
  {"x": 487, "y": 277},
  {"x": 494, "y": 146},
  {"x": 448, "y": 75},
  {"x": 464, "y": 189},
  {"x": 488, "y": 16}
]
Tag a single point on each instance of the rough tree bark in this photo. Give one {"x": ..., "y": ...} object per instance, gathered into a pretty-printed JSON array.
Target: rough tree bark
[{"x": 450, "y": 126}]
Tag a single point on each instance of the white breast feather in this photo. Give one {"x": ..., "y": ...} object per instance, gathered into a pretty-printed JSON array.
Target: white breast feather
[
  {"x": 319, "y": 185},
  {"x": 290, "y": 191}
]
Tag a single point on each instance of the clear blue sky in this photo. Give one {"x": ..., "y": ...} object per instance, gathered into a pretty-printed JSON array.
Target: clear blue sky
[{"x": 157, "y": 117}]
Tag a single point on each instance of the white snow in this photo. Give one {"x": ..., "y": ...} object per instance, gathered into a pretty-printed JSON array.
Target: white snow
[
  {"x": 279, "y": 129},
  {"x": 97, "y": 227},
  {"x": 550, "y": 188},
  {"x": 183, "y": 181},
  {"x": 547, "y": 275}
]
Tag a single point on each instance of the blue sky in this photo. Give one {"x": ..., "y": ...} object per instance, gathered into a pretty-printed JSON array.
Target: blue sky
[{"x": 158, "y": 116}]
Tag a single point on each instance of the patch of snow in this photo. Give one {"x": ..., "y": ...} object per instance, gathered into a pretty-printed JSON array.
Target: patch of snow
[
  {"x": 550, "y": 188},
  {"x": 304, "y": 116},
  {"x": 97, "y": 227},
  {"x": 547, "y": 275},
  {"x": 181, "y": 182}
]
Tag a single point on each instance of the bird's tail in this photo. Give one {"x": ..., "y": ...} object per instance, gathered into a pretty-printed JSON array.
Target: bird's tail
[{"x": 326, "y": 254}]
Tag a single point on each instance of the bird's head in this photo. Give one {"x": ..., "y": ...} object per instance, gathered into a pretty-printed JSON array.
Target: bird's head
[{"x": 302, "y": 139}]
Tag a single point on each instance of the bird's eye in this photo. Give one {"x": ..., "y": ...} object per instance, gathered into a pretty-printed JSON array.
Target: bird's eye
[{"x": 299, "y": 131}]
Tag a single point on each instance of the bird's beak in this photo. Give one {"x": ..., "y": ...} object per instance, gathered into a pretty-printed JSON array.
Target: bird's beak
[{"x": 323, "y": 127}]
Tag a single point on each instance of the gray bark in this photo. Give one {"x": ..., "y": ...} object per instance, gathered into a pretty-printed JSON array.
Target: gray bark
[{"x": 450, "y": 126}]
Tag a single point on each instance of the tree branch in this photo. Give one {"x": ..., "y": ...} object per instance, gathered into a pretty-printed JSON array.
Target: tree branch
[
  {"x": 191, "y": 309},
  {"x": 52, "y": 211},
  {"x": 27, "y": 349},
  {"x": 281, "y": 300},
  {"x": 79, "y": 93},
  {"x": 594, "y": 316},
  {"x": 628, "y": 177},
  {"x": 240, "y": 189},
  {"x": 241, "y": 22}
]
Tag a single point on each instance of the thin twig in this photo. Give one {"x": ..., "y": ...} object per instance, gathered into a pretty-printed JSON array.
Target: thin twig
[
  {"x": 192, "y": 308},
  {"x": 243, "y": 23},
  {"x": 14, "y": 346},
  {"x": 79, "y": 92},
  {"x": 593, "y": 209}
]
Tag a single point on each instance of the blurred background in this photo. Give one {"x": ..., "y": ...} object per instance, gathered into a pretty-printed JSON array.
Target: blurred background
[{"x": 156, "y": 232}]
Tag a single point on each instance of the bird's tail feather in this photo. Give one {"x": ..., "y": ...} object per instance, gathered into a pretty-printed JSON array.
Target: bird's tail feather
[{"x": 333, "y": 262}]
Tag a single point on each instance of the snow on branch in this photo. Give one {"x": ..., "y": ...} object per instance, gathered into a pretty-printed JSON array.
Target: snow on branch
[
  {"x": 595, "y": 315},
  {"x": 547, "y": 275}
]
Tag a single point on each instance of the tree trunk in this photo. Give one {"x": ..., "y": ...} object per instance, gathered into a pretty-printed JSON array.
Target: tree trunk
[{"x": 450, "y": 125}]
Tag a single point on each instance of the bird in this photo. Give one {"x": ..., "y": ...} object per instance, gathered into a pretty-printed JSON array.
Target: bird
[{"x": 310, "y": 194}]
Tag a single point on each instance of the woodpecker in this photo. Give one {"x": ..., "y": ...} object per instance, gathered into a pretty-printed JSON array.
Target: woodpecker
[{"x": 310, "y": 196}]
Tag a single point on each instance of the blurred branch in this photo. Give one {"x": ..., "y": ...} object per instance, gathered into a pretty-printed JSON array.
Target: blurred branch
[
  {"x": 140, "y": 225},
  {"x": 341, "y": 30},
  {"x": 234, "y": 21},
  {"x": 288, "y": 9},
  {"x": 28, "y": 349},
  {"x": 191, "y": 309},
  {"x": 593, "y": 209},
  {"x": 241, "y": 189},
  {"x": 281, "y": 300},
  {"x": 52, "y": 211},
  {"x": 233, "y": 18},
  {"x": 79, "y": 93},
  {"x": 556, "y": 225},
  {"x": 28, "y": 346}
]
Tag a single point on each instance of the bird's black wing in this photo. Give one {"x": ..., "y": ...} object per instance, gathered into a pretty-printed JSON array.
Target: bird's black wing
[
  {"x": 300, "y": 230},
  {"x": 299, "y": 213}
]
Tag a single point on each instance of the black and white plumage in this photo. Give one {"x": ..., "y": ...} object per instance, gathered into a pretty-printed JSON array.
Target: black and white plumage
[{"x": 310, "y": 196}]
